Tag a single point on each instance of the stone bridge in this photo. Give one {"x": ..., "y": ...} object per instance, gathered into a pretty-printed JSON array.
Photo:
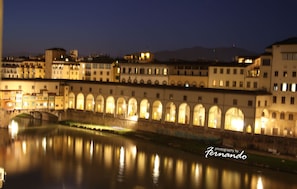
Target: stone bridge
[{"x": 7, "y": 115}]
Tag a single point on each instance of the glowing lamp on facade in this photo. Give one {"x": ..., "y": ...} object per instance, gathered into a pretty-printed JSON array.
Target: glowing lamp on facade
[{"x": 264, "y": 121}]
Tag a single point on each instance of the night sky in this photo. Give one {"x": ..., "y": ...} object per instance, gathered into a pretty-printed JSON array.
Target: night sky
[{"x": 119, "y": 27}]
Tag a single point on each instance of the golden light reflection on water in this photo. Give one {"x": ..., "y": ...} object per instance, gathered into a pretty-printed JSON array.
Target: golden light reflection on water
[{"x": 125, "y": 160}]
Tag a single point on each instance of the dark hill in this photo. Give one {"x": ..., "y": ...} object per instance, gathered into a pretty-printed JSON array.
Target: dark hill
[{"x": 224, "y": 54}]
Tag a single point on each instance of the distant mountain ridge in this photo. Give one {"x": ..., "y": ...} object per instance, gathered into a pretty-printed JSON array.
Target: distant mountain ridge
[{"x": 221, "y": 54}]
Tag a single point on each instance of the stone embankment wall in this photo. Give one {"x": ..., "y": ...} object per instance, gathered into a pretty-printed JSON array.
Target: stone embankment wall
[{"x": 244, "y": 141}]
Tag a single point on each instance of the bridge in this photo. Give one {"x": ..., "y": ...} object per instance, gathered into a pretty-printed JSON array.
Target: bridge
[{"x": 42, "y": 114}]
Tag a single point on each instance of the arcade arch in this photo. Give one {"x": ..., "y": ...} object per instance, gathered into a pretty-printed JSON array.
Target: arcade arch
[
  {"x": 184, "y": 114},
  {"x": 90, "y": 102},
  {"x": 157, "y": 110},
  {"x": 234, "y": 119},
  {"x": 99, "y": 107},
  {"x": 170, "y": 112},
  {"x": 110, "y": 105},
  {"x": 199, "y": 115},
  {"x": 144, "y": 109},
  {"x": 214, "y": 117},
  {"x": 121, "y": 106},
  {"x": 132, "y": 107},
  {"x": 80, "y": 102},
  {"x": 71, "y": 101}
]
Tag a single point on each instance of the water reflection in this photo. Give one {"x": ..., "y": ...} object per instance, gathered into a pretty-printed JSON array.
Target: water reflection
[{"x": 91, "y": 161}]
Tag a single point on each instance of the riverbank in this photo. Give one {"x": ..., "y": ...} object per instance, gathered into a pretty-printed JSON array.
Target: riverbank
[{"x": 197, "y": 146}]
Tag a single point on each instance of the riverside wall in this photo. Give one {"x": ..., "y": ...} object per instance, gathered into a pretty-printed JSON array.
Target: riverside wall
[{"x": 244, "y": 141}]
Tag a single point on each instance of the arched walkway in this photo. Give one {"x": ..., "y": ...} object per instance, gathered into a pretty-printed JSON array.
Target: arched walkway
[
  {"x": 80, "y": 102},
  {"x": 234, "y": 119},
  {"x": 184, "y": 114},
  {"x": 110, "y": 105},
  {"x": 199, "y": 115},
  {"x": 170, "y": 112},
  {"x": 157, "y": 110},
  {"x": 214, "y": 117},
  {"x": 144, "y": 109}
]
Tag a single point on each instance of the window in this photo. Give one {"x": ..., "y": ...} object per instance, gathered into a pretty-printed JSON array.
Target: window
[
  {"x": 234, "y": 102},
  {"x": 241, "y": 71},
  {"x": 266, "y": 62},
  {"x": 293, "y": 87},
  {"x": 133, "y": 93},
  {"x": 110, "y": 91},
  {"x": 276, "y": 73},
  {"x": 221, "y": 71},
  {"x": 292, "y": 100},
  {"x": 259, "y": 103},
  {"x": 228, "y": 70},
  {"x": 274, "y": 99},
  {"x": 215, "y": 70},
  {"x": 284, "y": 86},
  {"x": 283, "y": 99},
  {"x": 227, "y": 83},
  {"x": 90, "y": 89},
  {"x": 221, "y": 83},
  {"x": 294, "y": 74},
  {"x": 282, "y": 115},
  {"x": 275, "y": 87},
  {"x": 273, "y": 115},
  {"x": 291, "y": 117},
  {"x": 234, "y": 71},
  {"x": 250, "y": 103},
  {"x": 265, "y": 75},
  {"x": 185, "y": 98},
  {"x": 170, "y": 96},
  {"x": 255, "y": 85},
  {"x": 241, "y": 84},
  {"x": 248, "y": 84},
  {"x": 199, "y": 98},
  {"x": 285, "y": 74},
  {"x": 234, "y": 84},
  {"x": 215, "y": 100},
  {"x": 158, "y": 95}
]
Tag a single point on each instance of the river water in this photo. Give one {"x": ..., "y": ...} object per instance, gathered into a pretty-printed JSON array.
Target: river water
[{"x": 70, "y": 158}]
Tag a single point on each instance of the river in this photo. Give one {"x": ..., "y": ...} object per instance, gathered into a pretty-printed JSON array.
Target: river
[{"x": 71, "y": 158}]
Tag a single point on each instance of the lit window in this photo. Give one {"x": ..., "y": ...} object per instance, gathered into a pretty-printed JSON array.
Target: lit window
[
  {"x": 221, "y": 83},
  {"x": 275, "y": 87},
  {"x": 284, "y": 86},
  {"x": 214, "y": 82},
  {"x": 293, "y": 87}
]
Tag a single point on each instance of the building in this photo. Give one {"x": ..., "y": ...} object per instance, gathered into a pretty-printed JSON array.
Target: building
[{"x": 255, "y": 95}]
